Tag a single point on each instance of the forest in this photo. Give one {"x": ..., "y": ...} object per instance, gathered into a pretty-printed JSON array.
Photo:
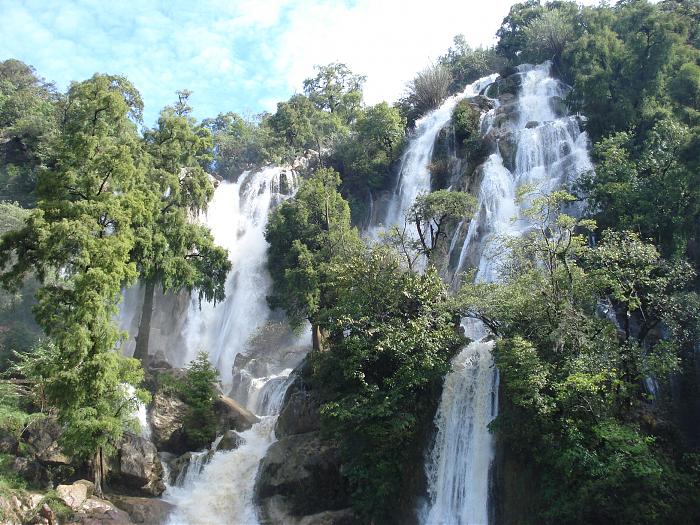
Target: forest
[{"x": 594, "y": 315}]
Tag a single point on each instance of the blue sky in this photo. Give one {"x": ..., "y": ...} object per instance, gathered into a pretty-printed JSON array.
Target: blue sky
[{"x": 238, "y": 55}]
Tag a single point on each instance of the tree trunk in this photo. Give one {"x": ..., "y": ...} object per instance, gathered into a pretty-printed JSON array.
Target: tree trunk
[
  {"x": 97, "y": 467},
  {"x": 317, "y": 338},
  {"x": 141, "y": 350}
]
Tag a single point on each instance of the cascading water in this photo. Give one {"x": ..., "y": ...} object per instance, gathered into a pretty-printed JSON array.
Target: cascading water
[
  {"x": 414, "y": 175},
  {"x": 237, "y": 217},
  {"x": 547, "y": 151},
  {"x": 217, "y": 486},
  {"x": 222, "y": 491}
]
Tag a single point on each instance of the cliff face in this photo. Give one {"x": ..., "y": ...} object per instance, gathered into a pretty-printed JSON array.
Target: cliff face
[{"x": 299, "y": 479}]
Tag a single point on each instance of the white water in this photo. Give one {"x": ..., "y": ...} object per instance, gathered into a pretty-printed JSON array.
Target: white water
[
  {"x": 414, "y": 175},
  {"x": 549, "y": 154},
  {"x": 217, "y": 486},
  {"x": 222, "y": 493},
  {"x": 237, "y": 217}
]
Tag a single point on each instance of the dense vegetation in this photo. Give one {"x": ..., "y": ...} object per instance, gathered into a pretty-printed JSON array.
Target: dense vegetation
[{"x": 589, "y": 311}]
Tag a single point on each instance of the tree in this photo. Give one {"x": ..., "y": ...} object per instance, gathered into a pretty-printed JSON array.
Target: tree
[
  {"x": 548, "y": 34},
  {"x": 653, "y": 179},
  {"x": 511, "y": 34},
  {"x": 467, "y": 65},
  {"x": 28, "y": 119},
  {"x": 431, "y": 212},
  {"x": 392, "y": 334},
  {"x": 197, "y": 389},
  {"x": 306, "y": 233},
  {"x": 239, "y": 144},
  {"x": 171, "y": 249},
  {"x": 78, "y": 242},
  {"x": 430, "y": 87},
  {"x": 571, "y": 383},
  {"x": 367, "y": 156},
  {"x": 337, "y": 90}
]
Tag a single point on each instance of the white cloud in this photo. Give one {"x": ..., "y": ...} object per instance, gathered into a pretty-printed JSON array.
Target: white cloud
[{"x": 241, "y": 55}]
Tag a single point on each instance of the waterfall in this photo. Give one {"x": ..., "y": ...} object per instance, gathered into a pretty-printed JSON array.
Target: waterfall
[
  {"x": 237, "y": 216},
  {"x": 222, "y": 491},
  {"x": 253, "y": 351},
  {"x": 414, "y": 175},
  {"x": 547, "y": 151}
]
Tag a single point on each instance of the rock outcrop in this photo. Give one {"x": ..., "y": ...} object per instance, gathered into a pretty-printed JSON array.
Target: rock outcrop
[
  {"x": 148, "y": 511},
  {"x": 304, "y": 471},
  {"x": 136, "y": 469},
  {"x": 41, "y": 438},
  {"x": 165, "y": 415},
  {"x": 232, "y": 416},
  {"x": 299, "y": 479}
]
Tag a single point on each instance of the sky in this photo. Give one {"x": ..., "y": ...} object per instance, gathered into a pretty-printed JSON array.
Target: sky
[{"x": 239, "y": 55}]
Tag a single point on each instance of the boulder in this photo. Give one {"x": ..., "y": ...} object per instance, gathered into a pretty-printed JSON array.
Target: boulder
[
  {"x": 232, "y": 416},
  {"x": 166, "y": 414},
  {"x": 229, "y": 441},
  {"x": 149, "y": 511},
  {"x": 303, "y": 472},
  {"x": 96, "y": 511},
  {"x": 15, "y": 506},
  {"x": 32, "y": 471},
  {"x": 42, "y": 438},
  {"x": 137, "y": 467},
  {"x": 299, "y": 415},
  {"x": 330, "y": 517},
  {"x": 179, "y": 466},
  {"x": 8, "y": 443},
  {"x": 75, "y": 495}
]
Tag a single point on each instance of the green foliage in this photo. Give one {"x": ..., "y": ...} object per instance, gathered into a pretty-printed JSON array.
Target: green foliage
[
  {"x": 467, "y": 65},
  {"x": 337, "y": 90},
  {"x": 426, "y": 91},
  {"x": 14, "y": 417},
  {"x": 466, "y": 119},
  {"x": 650, "y": 188},
  {"x": 239, "y": 144},
  {"x": 198, "y": 391},
  {"x": 28, "y": 120},
  {"x": 9, "y": 480},
  {"x": 431, "y": 212},
  {"x": 548, "y": 34},
  {"x": 572, "y": 381},
  {"x": 366, "y": 157},
  {"x": 78, "y": 242},
  {"x": 19, "y": 330},
  {"x": 305, "y": 234},
  {"x": 174, "y": 251},
  {"x": 391, "y": 336}
]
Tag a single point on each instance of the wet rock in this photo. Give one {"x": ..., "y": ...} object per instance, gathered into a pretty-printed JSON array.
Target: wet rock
[
  {"x": 232, "y": 416},
  {"x": 301, "y": 474},
  {"x": 508, "y": 147},
  {"x": 330, "y": 517},
  {"x": 299, "y": 415},
  {"x": 179, "y": 466},
  {"x": 165, "y": 415},
  {"x": 532, "y": 124},
  {"x": 481, "y": 103},
  {"x": 137, "y": 467},
  {"x": 559, "y": 107},
  {"x": 230, "y": 441},
  {"x": 149, "y": 511}
]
